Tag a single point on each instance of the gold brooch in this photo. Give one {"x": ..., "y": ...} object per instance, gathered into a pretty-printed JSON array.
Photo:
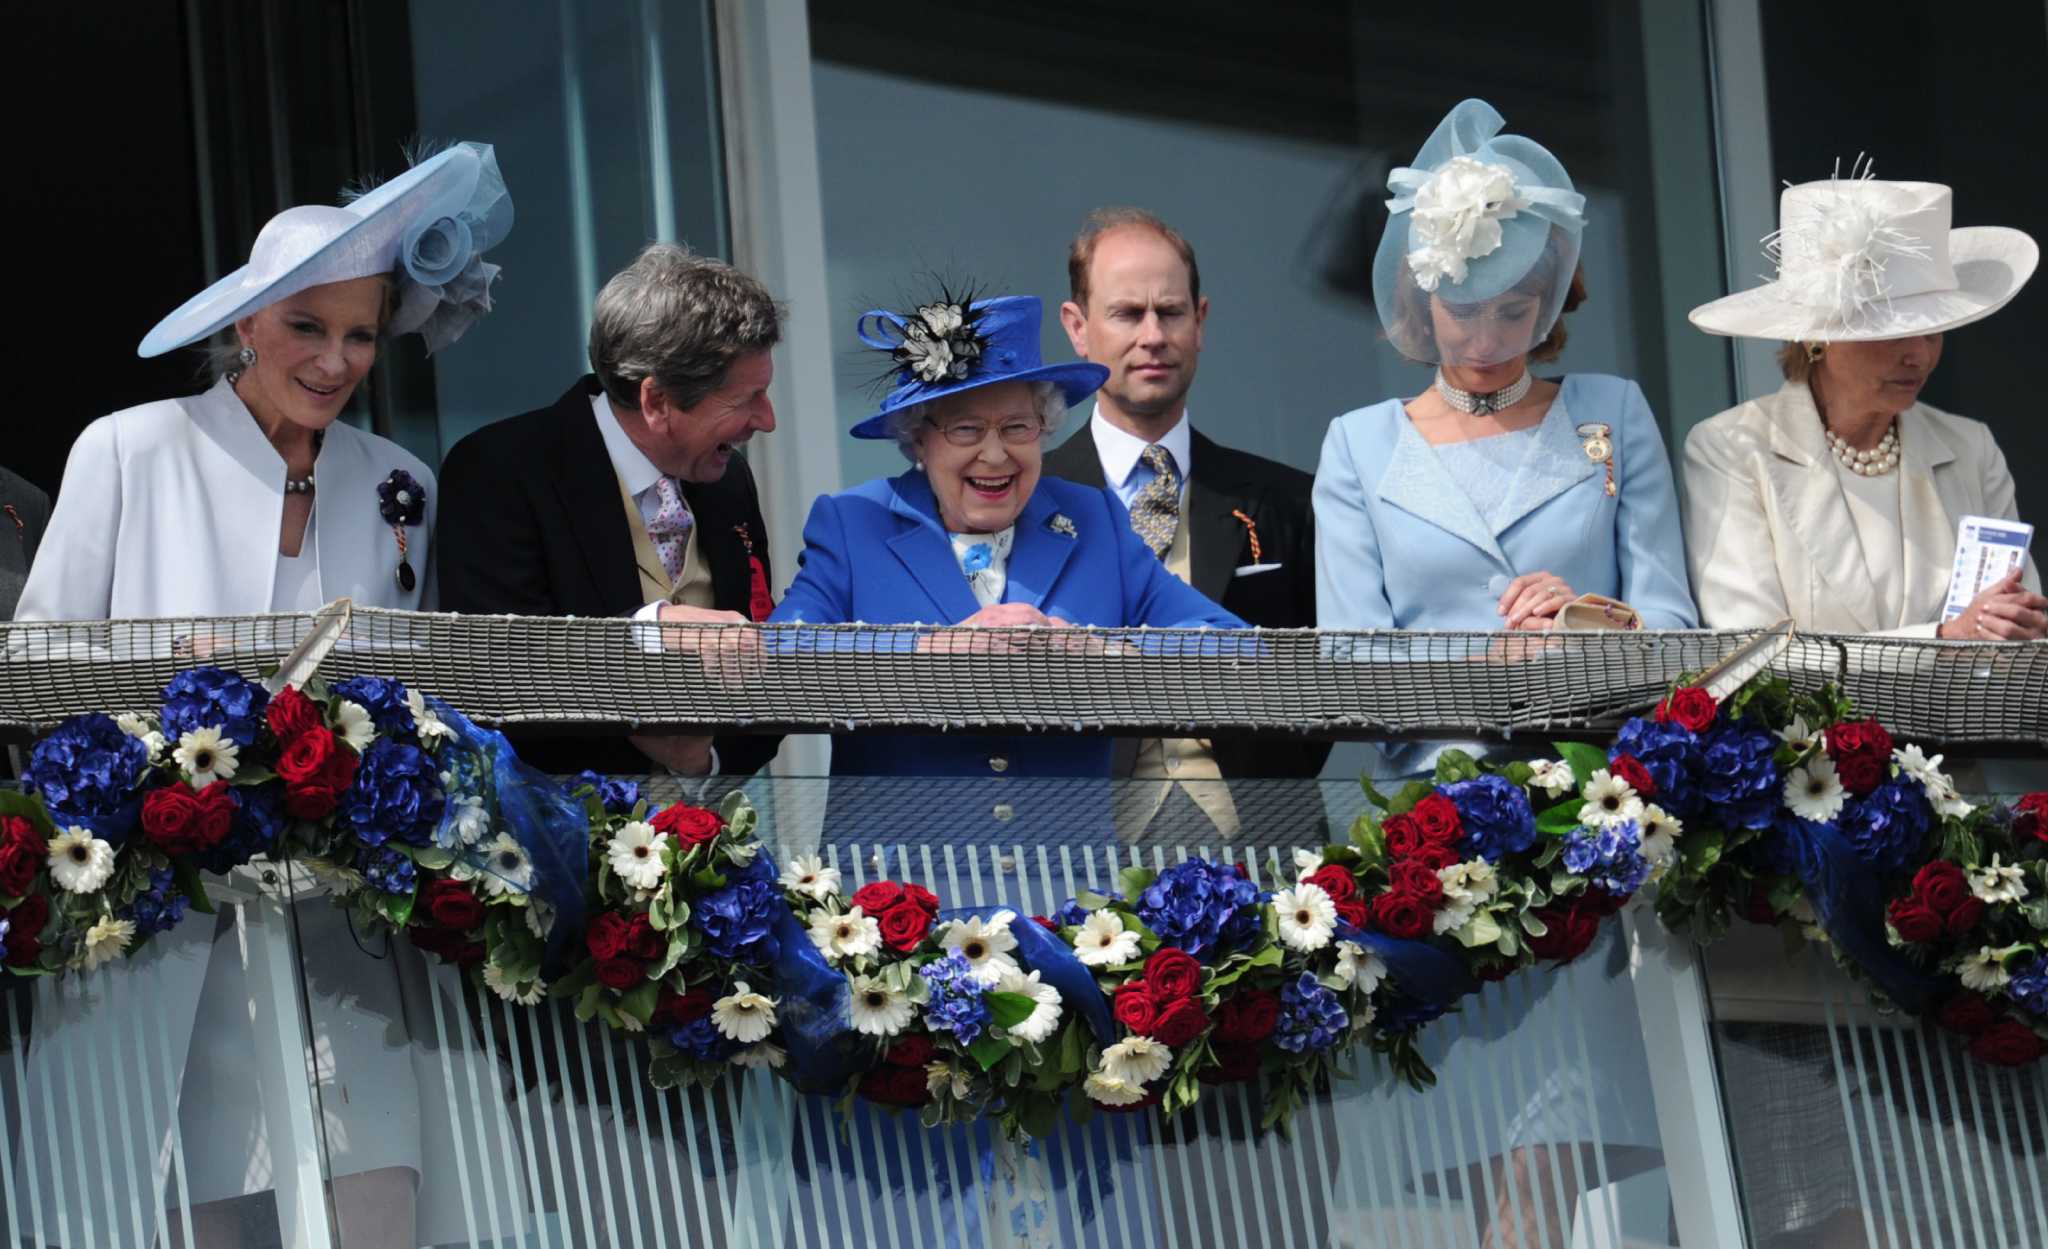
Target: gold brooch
[{"x": 1598, "y": 441}]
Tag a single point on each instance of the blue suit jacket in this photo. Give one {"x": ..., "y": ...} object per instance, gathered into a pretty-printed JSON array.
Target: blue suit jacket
[
  {"x": 878, "y": 553},
  {"x": 1399, "y": 544}
]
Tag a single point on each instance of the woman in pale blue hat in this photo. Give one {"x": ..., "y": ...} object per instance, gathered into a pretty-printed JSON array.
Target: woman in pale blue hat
[
  {"x": 246, "y": 498},
  {"x": 1494, "y": 500}
]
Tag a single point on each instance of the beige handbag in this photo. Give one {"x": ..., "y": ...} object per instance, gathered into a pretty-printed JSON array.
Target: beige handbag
[{"x": 1597, "y": 611}]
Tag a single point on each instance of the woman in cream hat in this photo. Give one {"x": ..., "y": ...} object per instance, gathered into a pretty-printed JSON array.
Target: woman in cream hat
[
  {"x": 246, "y": 498},
  {"x": 1835, "y": 500}
]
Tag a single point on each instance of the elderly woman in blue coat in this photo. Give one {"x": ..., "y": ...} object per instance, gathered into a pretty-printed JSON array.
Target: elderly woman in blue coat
[
  {"x": 1491, "y": 500},
  {"x": 974, "y": 535}
]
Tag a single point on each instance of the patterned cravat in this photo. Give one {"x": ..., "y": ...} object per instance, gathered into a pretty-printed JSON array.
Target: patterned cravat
[
  {"x": 670, "y": 527},
  {"x": 1155, "y": 510}
]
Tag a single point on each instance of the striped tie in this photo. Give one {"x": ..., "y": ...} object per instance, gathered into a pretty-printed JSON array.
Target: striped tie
[{"x": 1155, "y": 511}]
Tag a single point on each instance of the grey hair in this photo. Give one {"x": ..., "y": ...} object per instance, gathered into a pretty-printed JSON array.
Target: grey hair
[
  {"x": 681, "y": 319},
  {"x": 903, "y": 422}
]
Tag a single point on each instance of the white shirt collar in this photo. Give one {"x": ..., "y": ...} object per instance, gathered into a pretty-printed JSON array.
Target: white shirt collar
[
  {"x": 634, "y": 468},
  {"x": 1119, "y": 450}
]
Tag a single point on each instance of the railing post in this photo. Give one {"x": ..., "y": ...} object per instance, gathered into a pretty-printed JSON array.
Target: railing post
[{"x": 284, "y": 1071}]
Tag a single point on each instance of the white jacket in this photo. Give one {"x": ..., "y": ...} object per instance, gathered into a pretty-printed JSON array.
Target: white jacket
[{"x": 1769, "y": 533}]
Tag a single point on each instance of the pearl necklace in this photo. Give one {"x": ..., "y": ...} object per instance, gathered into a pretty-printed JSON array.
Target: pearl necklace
[
  {"x": 1483, "y": 403},
  {"x": 1876, "y": 462}
]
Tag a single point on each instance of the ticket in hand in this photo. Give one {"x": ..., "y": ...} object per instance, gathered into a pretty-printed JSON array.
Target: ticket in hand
[{"x": 1987, "y": 549}]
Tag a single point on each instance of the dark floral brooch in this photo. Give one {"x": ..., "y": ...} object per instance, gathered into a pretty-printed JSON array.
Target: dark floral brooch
[{"x": 402, "y": 502}]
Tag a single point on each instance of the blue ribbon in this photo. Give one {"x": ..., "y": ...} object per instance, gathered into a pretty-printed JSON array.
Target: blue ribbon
[
  {"x": 1431, "y": 976},
  {"x": 1848, "y": 896},
  {"x": 811, "y": 1007}
]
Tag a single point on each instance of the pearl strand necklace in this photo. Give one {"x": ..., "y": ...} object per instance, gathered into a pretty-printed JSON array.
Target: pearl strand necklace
[
  {"x": 1876, "y": 462},
  {"x": 1483, "y": 403}
]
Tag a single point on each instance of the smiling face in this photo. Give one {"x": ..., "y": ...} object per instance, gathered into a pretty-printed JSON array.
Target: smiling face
[
  {"x": 697, "y": 443},
  {"x": 1882, "y": 378},
  {"x": 1142, "y": 322},
  {"x": 312, "y": 349},
  {"x": 982, "y": 487}
]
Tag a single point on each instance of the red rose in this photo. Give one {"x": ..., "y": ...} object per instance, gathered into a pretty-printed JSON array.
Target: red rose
[
  {"x": 1235, "y": 1064},
  {"x": 1941, "y": 885},
  {"x": 25, "y": 931},
  {"x": 1439, "y": 821},
  {"x": 1136, "y": 1008},
  {"x": 1497, "y": 969},
  {"x": 1435, "y": 858},
  {"x": 904, "y": 926},
  {"x": 452, "y": 946},
  {"x": 451, "y": 904},
  {"x": 1173, "y": 973},
  {"x": 760, "y": 603},
  {"x": 620, "y": 974},
  {"x": 21, "y": 856},
  {"x": 1571, "y": 930},
  {"x": 1913, "y": 920},
  {"x": 180, "y": 820},
  {"x": 2008, "y": 1043},
  {"x": 1352, "y": 911},
  {"x": 690, "y": 826},
  {"x": 291, "y": 713},
  {"x": 1402, "y": 915},
  {"x": 1631, "y": 769},
  {"x": 1966, "y": 1014},
  {"x": 608, "y": 936},
  {"x": 673, "y": 1010},
  {"x": 2030, "y": 816},
  {"x": 1045, "y": 923},
  {"x": 913, "y": 1049},
  {"x": 1862, "y": 752},
  {"x": 316, "y": 768},
  {"x": 1403, "y": 834},
  {"x": 1692, "y": 707},
  {"x": 923, "y": 899},
  {"x": 895, "y": 1086},
  {"x": 1417, "y": 878},
  {"x": 1964, "y": 918},
  {"x": 878, "y": 897},
  {"x": 642, "y": 941},
  {"x": 1334, "y": 879},
  {"x": 1247, "y": 1018},
  {"x": 1180, "y": 1022}
]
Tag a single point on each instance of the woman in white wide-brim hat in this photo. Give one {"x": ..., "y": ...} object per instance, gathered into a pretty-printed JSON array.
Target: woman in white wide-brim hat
[
  {"x": 252, "y": 497},
  {"x": 1835, "y": 501}
]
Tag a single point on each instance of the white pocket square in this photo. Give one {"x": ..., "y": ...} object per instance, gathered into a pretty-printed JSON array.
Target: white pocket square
[{"x": 1246, "y": 570}]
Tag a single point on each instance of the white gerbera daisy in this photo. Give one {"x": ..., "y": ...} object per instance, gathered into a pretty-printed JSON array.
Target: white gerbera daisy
[
  {"x": 635, "y": 854},
  {"x": 941, "y": 1077},
  {"x": 877, "y": 1009},
  {"x": 353, "y": 722},
  {"x": 505, "y": 867},
  {"x": 79, "y": 861},
  {"x": 1984, "y": 970},
  {"x": 105, "y": 941},
  {"x": 1103, "y": 940},
  {"x": 1359, "y": 967},
  {"x": 1552, "y": 776},
  {"x": 985, "y": 944},
  {"x": 845, "y": 934},
  {"x": 1660, "y": 831},
  {"x": 1111, "y": 1091},
  {"x": 1136, "y": 1060},
  {"x": 1307, "y": 917},
  {"x": 207, "y": 755},
  {"x": 743, "y": 1015},
  {"x": 807, "y": 874},
  {"x": 761, "y": 1054},
  {"x": 1799, "y": 735},
  {"x": 1045, "y": 1009},
  {"x": 425, "y": 722},
  {"x": 139, "y": 728},
  {"x": 1609, "y": 799},
  {"x": 1999, "y": 882},
  {"x": 517, "y": 992},
  {"x": 1814, "y": 791}
]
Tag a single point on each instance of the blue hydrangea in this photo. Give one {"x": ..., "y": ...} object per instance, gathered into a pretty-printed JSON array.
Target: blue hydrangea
[
  {"x": 701, "y": 1040},
  {"x": 2030, "y": 988},
  {"x": 1790, "y": 848},
  {"x": 383, "y": 698},
  {"x": 86, "y": 772},
  {"x": 1497, "y": 816},
  {"x": 738, "y": 921},
  {"x": 1073, "y": 914},
  {"x": 956, "y": 1004},
  {"x": 1739, "y": 778},
  {"x": 199, "y": 698},
  {"x": 157, "y": 908},
  {"x": 1201, "y": 907},
  {"x": 1610, "y": 858},
  {"x": 1311, "y": 1017},
  {"x": 1887, "y": 827},
  {"x": 618, "y": 794},
  {"x": 397, "y": 793},
  {"x": 386, "y": 869},
  {"x": 1671, "y": 755},
  {"x": 4, "y": 926}
]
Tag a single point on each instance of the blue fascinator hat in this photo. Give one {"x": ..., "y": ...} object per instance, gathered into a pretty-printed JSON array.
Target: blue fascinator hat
[
  {"x": 949, "y": 346},
  {"x": 1479, "y": 215},
  {"x": 429, "y": 227}
]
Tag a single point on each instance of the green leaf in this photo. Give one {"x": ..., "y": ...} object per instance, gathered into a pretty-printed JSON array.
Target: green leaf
[
  {"x": 1134, "y": 881},
  {"x": 253, "y": 774},
  {"x": 1371, "y": 841},
  {"x": 194, "y": 889},
  {"x": 586, "y": 1001},
  {"x": 1560, "y": 820},
  {"x": 1090, "y": 900},
  {"x": 1009, "y": 1009},
  {"x": 1410, "y": 794},
  {"x": 1455, "y": 765},
  {"x": 1532, "y": 925},
  {"x": 1584, "y": 759},
  {"x": 1073, "y": 1048},
  {"x": 28, "y": 807},
  {"x": 662, "y": 911},
  {"x": 1699, "y": 851},
  {"x": 988, "y": 1051},
  {"x": 396, "y": 907},
  {"x": 433, "y": 858},
  {"x": 1372, "y": 795},
  {"x": 639, "y": 1001}
]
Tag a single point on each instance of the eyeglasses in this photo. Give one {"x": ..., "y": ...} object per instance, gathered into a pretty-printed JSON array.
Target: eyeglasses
[{"x": 972, "y": 433}]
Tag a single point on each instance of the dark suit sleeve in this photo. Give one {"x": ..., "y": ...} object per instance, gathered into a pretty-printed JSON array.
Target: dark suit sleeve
[{"x": 488, "y": 544}]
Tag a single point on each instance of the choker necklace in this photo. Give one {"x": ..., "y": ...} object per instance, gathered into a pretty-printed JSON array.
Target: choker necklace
[
  {"x": 1483, "y": 403},
  {"x": 304, "y": 485},
  {"x": 1876, "y": 462}
]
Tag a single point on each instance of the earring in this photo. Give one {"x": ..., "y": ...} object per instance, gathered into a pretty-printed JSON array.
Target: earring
[
  {"x": 243, "y": 359},
  {"x": 1814, "y": 351}
]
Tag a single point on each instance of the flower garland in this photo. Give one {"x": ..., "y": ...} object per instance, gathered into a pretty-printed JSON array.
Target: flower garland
[{"x": 1775, "y": 806}]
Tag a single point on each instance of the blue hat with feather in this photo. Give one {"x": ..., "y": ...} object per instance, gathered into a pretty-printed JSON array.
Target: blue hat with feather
[{"x": 952, "y": 345}]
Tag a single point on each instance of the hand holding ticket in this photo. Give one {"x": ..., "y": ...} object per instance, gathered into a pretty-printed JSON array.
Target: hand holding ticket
[{"x": 1988, "y": 550}]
